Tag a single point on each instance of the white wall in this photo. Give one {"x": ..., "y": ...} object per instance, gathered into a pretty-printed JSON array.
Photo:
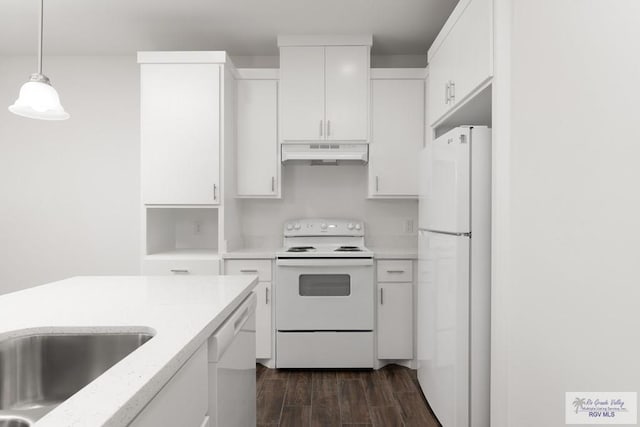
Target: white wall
[
  {"x": 330, "y": 192},
  {"x": 570, "y": 295},
  {"x": 69, "y": 191}
]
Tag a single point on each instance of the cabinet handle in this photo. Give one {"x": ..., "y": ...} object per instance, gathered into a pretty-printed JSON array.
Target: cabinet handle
[
  {"x": 452, "y": 85},
  {"x": 381, "y": 296},
  {"x": 328, "y": 127},
  {"x": 395, "y": 271},
  {"x": 321, "y": 127},
  {"x": 377, "y": 183},
  {"x": 246, "y": 270},
  {"x": 273, "y": 184},
  {"x": 179, "y": 271},
  {"x": 215, "y": 192},
  {"x": 446, "y": 93},
  {"x": 266, "y": 295}
]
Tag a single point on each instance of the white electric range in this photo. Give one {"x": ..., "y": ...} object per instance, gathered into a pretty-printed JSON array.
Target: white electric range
[{"x": 324, "y": 296}]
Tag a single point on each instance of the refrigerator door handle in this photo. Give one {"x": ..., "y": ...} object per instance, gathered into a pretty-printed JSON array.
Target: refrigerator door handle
[{"x": 449, "y": 233}]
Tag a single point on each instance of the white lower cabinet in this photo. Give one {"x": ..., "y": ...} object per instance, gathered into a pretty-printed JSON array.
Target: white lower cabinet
[
  {"x": 183, "y": 401},
  {"x": 264, "y": 291},
  {"x": 263, "y": 321},
  {"x": 395, "y": 318}
]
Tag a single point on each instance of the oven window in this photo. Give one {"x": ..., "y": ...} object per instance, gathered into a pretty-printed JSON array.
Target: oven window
[{"x": 324, "y": 285}]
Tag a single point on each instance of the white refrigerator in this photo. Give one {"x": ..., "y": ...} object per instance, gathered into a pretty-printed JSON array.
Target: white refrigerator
[{"x": 455, "y": 276}]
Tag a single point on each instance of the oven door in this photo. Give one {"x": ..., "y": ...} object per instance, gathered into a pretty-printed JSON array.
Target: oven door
[{"x": 316, "y": 294}]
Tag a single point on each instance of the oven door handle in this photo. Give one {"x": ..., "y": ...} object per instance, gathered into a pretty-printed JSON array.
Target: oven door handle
[{"x": 324, "y": 262}]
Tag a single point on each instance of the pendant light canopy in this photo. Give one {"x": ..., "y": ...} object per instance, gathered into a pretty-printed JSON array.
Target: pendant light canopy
[{"x": 37, "y": 98}]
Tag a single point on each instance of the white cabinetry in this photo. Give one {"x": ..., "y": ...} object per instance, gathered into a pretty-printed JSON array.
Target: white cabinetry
[
  {"x": 461, "y": 57},
  {"x": 180, "y": 129},
  {"x": 184, "y": 400},
  {"x": 324, "y": 89},
  {"x": 264, "y": 292},
  {"x": 395, "y": 309},
  {"x": 258, "y": 165},
  {"x": 397, "y": 114}
]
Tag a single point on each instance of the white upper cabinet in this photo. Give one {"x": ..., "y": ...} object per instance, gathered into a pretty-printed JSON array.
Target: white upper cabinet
[
  {"x": 180, "y": 128},
  {"x": 397, "y": 136},
  {"x": 257, "y": 156},
  {"x": 461, "y": 57},
  {"x": 302, "y": 93},
  {"x": 324, "y": 88},
  {"x": 347, "y": 92}
]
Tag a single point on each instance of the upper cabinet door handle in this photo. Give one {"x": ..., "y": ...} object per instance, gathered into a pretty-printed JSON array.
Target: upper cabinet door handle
[
  {"x": 321, "y": 127},
  {"x": 273, "y": 184},
  {"x": 215, "y": 192},
  {"x": 446, "y": 93},
  {"x": 328, "y": 127}
]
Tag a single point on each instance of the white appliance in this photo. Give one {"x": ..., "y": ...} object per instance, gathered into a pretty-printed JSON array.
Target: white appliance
[
  {"x": 455, "y": 276},
  {"x": 324, "y": 296},
  {"x": 322, "y": 152},
  {"x": 232, "y": 369}
]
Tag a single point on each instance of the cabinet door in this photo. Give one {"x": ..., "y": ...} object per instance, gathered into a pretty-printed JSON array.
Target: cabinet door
[
  {"x": 440, "y": 75},
  {"x": 397, "y": 137},
  {"x": 263, "y": 320},
  {"x": 257, "y": 155},
  {"x": 302, "y": 93},
  {"x": 180, "y": 128},
  {"x": 395, "y": 321},
  {"x": 473, "y": 40},
  {"x": 183, "y": 401},
  {"x": 347, "y": 93}
]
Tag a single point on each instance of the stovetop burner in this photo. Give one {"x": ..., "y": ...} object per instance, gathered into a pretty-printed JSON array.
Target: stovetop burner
[
  {"x": 300, "y": 249},
  {"x": 349, "y": 249}
]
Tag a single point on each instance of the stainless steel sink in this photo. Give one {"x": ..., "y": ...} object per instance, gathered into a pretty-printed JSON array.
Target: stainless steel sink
[{"x": 38, "y": 372}]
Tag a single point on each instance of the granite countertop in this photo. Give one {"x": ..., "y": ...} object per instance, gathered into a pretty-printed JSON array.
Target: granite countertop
[{"x": 181, "y": 312}]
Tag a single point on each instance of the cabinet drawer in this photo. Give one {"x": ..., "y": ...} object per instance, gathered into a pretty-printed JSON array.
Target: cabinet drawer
[
  {"x": 395, "y": 271},
  {"x": 159, "y": 267},
  {"x": 259, "y": 267}
]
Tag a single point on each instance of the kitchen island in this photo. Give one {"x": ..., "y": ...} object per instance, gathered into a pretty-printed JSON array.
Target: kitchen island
[{"x": 181, "y": 313}]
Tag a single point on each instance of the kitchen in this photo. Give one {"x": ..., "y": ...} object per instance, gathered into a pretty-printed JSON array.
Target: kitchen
[{"x": 562, "y": 209}]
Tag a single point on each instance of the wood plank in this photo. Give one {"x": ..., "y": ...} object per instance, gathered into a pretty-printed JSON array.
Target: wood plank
[
  {"x": 399, "y": 378},
  {"x": 270, "y": 400},
  {"x": 378, "y": 391},
  {"x": 386, "y": 416},
  {"x": 278, "y": 374},
  {"x": 296, "y": 416},
  {"x": 325, "y": 381},
  {"x": 414, "y": 411},
  {"x": 299, "y": 389},
  {"x": 353, "y": 403},
  {"x": 325, "y": 409}
]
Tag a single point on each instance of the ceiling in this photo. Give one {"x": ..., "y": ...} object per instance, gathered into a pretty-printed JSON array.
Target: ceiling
[{"x": 242, "y": 27}]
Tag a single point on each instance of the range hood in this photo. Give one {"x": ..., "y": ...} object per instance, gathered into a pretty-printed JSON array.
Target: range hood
[{"x": 321, "y": 152}]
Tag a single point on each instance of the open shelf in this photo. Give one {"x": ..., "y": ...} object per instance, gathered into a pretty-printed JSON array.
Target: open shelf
[{"x": 177, "y": 233}]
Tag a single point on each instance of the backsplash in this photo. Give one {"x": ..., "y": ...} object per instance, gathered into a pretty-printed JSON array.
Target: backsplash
[{"x": 331, "y": 192}]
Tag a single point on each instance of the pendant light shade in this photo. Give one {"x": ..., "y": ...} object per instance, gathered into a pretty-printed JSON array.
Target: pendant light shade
[{"x": 37, "y": 98}]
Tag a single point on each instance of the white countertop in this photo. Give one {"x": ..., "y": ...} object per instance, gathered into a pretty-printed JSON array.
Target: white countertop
[
  {"x": 182, "y": 312},
  {"x": 378, "y": 252}
]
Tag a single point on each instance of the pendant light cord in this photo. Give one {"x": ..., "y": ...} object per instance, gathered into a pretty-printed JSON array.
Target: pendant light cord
[{"x": 41, "y": 36}]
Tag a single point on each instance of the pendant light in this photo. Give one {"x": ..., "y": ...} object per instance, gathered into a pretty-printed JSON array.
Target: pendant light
[{"x": 38, "y": 99}]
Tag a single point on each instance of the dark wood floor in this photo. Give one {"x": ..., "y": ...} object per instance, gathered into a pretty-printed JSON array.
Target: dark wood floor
[{"x": 388, "y": 397}]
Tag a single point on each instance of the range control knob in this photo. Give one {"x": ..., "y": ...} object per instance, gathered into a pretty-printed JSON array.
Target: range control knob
[
  {"x": 289, "y": 227},
  {"x": 297, "y": 226},
  {"x": 323, "y": 226},
  {"x": 350, "y": 226},
  {"x": 358, "y": 226}
]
